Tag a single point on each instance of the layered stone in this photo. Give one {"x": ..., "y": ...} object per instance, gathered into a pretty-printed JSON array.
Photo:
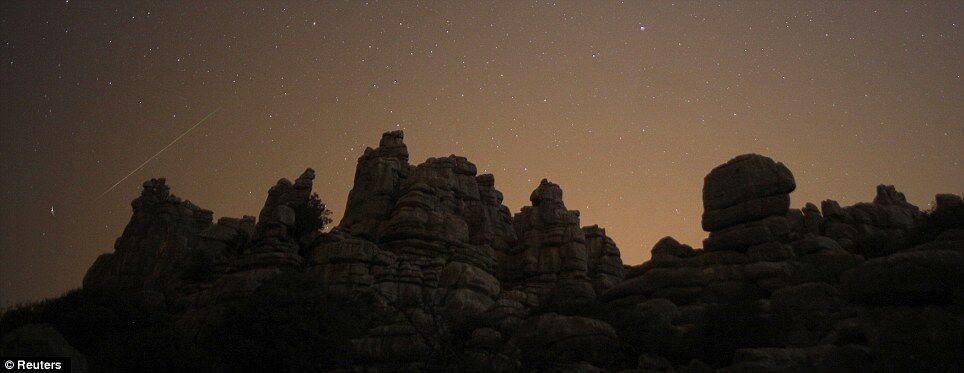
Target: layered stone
[
  {"x": 156, "y": 245},
  {"x": 379, "y": 173},
  {"x": 605, "y": 267},
  {"x": 872, "y": 229},
  {"x": 551, "y": 259},
  {"x": 464, "y": 285},
  {"x": 746, "y": 202},
  {"x": 745, "y": 178}
]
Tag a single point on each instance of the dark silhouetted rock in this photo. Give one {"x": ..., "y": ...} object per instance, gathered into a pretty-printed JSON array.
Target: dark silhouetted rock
[
  {"x": 745, "y": 203},
  {"x": 156, "y": 245},
  {"x": 605, "y": 265},
  {"x": 669, "y": 246},
  {"x": 377, "y": 177},
  {"x": 436, "y": 274},
  {"x": 908, "y": 278},
  {"x": 551, "y": 259},
  {"x": 872, "y": 229},
  {"x": 888, "y": 195},
  {"x": 745, "y": 178}
]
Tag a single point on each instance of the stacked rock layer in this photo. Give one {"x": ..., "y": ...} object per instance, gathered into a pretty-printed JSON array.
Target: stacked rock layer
[
  {"x": 433, "y": 247},
  {"x": 745, "y": 203}
]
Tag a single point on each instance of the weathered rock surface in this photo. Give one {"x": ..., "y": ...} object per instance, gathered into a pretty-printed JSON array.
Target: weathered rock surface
[
  {"x": 605, "y": 265},
  {"x": 802, "y": 270},
  {"x": 745, "y": 203},
  {"x": 871, "y": 229},
  {"x": 551, "y": 261},
  {"x": 435, "y": 240},
  {"x": 154, "y": 249},
  {"x": 745, "y": 178}
]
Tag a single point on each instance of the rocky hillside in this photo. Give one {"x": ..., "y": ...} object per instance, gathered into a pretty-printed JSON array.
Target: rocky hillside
[{"x": 428, "y": 270}]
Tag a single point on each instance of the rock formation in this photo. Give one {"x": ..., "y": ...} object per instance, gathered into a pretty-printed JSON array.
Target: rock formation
[
  {"x": 802, "y": 271},
  {"x": 155, "y": 245},
  {"x": 745, "y": 203},
  {"x": 459, "y": 283},
  {"x": 551, "y": 261},
  {"x": 871, "y": 229}
]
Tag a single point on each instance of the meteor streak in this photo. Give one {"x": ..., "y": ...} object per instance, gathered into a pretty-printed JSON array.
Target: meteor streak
[{"x": 156, "y": 154}]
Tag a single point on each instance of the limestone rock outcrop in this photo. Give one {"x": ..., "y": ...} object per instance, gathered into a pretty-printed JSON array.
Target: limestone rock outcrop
[
  {"x": 605, "y": 265},
  {"x": 448, "y": 279},
  {"x": 155, "y": 245},
  {"x": 377, "y": 177},
  {"x": 551, "y": 261},
  {"x": 434, "y": 242},
  {"x": 246, "y": 253},
  {"x": 871, "y": 229},
  {"x": 747, "y": 255},
  {"x": 798, "y": 274}
]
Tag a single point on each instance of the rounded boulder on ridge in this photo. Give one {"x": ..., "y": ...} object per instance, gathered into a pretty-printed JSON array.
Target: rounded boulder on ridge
[{"x": 744, "y": 178}]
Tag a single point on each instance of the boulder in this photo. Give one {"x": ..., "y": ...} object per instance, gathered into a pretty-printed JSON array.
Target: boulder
[
  {"x": 746, "y": 202},
  {"x": 744, "y": 178}
]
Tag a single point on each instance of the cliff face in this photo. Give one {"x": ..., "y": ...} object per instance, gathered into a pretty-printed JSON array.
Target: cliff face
[{"x": 463, "y": 284}]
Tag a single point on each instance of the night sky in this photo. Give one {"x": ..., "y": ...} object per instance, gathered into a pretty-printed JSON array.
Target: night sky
[{"x": 626, "y": 105}]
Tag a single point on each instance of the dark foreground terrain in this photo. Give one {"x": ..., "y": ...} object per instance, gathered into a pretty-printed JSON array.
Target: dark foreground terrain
[{"x": 428, "y": 270}]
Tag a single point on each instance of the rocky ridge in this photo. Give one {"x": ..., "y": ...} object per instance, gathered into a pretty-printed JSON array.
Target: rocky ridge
[{"x": 465, "y": 285}]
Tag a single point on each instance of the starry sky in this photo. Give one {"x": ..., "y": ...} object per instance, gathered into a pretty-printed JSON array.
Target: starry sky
[{"x": 626, "y": 105}]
